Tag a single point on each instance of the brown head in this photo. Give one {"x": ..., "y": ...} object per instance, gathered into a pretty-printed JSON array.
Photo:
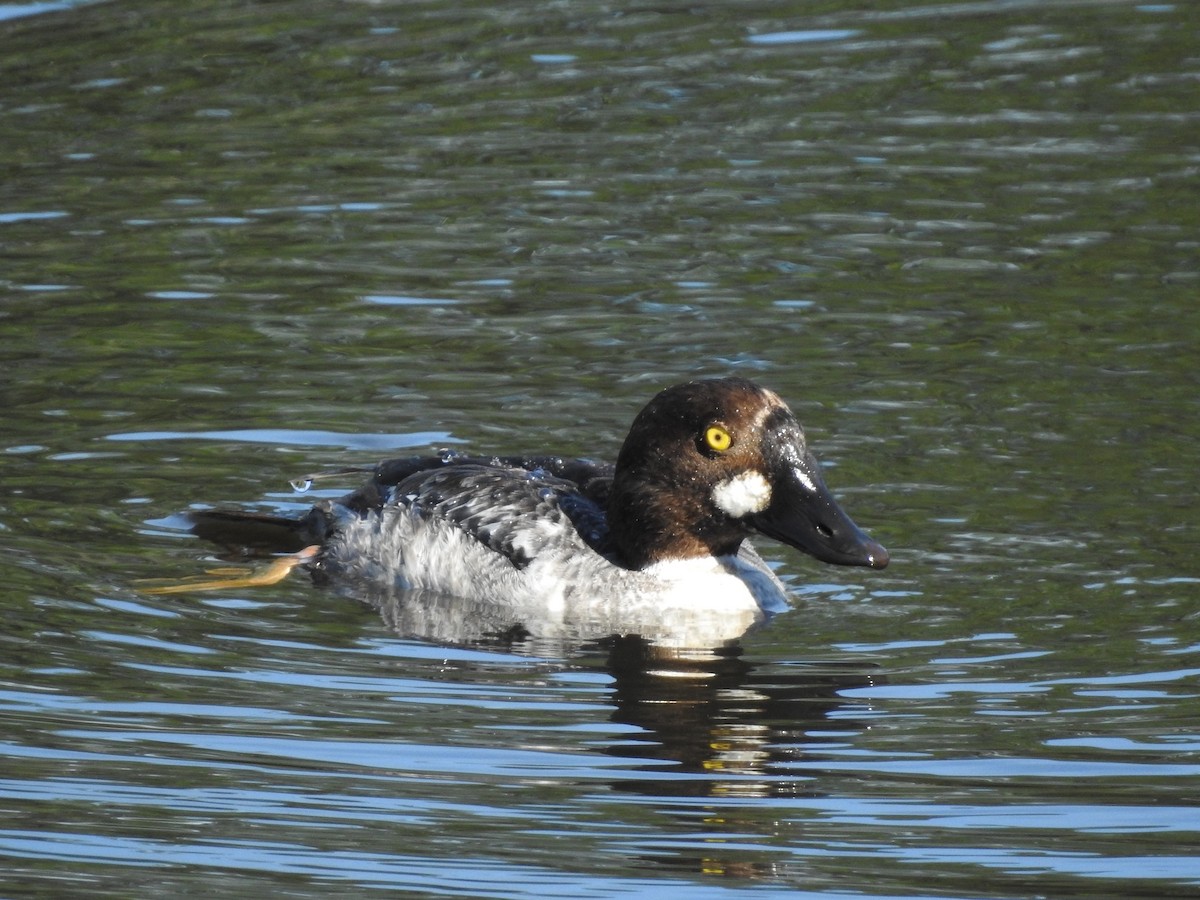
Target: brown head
[{"x": 708, "y": 462}]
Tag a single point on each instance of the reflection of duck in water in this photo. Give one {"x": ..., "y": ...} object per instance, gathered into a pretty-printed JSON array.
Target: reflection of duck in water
[
  {"x": 719, "y": 715},
  {"x": 705, "y": 464},
  {"x": 729, "y": 753}
]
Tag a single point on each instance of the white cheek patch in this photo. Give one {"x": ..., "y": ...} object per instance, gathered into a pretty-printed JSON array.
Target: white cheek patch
[{"x": 742, "y": 494}]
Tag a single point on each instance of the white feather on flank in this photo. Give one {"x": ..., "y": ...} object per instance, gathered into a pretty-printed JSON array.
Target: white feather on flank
[
  {"x": 723, "y": 582},
  {"x": 742, "y": 494}
]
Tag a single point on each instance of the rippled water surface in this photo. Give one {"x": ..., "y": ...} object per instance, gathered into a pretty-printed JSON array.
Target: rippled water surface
[{"x": 243, "y": 242}]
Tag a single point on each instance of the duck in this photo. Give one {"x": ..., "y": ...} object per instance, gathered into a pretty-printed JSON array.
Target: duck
[{"x": 706, "y": 465}]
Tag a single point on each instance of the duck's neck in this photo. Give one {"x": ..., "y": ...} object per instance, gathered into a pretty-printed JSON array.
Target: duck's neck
[{"x": 644, "y": 523}]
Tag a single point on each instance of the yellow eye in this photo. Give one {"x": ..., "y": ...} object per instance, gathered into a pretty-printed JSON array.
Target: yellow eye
[{"x": 717, "y": 438}]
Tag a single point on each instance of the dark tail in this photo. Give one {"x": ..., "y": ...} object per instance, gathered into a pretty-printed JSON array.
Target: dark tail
[{"x": 258, "y": 534}]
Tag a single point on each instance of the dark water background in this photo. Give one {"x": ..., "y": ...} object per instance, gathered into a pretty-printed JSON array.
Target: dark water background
[{"x": 245, "y": 241}]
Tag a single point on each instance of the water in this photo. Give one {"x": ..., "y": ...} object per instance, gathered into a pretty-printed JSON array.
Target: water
[{"x": 246, "y": 243}]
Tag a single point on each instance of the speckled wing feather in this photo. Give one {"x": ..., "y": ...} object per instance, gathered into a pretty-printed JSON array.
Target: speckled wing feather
[
  {"x": 592, "y": 479},
  {"x": 513, "y": 511}
]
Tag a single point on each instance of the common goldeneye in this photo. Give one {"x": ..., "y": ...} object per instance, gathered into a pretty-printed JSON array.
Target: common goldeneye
[{"x": 705, "y": 464}]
